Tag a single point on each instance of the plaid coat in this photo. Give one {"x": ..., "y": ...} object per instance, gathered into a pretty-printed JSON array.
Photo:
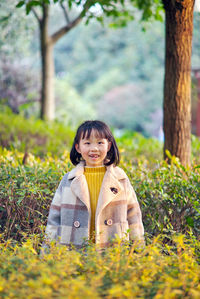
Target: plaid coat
[{"x": 117, "y": 209}]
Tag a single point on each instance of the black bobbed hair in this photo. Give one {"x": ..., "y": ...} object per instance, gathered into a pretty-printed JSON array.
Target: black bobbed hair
[{"x": 103, "y": 131}]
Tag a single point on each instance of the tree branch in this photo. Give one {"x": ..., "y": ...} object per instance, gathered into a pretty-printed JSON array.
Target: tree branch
[
  {"x": 57, "y": 35},
  {"x": 36, "y": 15},
  {"x": 65, "y": 12}
]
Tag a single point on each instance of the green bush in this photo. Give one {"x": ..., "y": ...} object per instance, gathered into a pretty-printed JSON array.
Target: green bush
[
  {"x": 26, "y": 191},
  {"x": 34, "y": 136},
  {"x": 169, "y": 195},
  {"x": 195, "y": 149},
  {"x": 134, "y": 147},
  {"x": 40, "y": 138}
]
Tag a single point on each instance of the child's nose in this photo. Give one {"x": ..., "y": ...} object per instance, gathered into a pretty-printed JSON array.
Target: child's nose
[{"x": 94, "y": 147}]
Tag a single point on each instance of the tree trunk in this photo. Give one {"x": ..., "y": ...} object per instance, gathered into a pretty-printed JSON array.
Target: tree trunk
[
  {"x": 47, "y": 93},
  {"x": 177, "y": 82}
]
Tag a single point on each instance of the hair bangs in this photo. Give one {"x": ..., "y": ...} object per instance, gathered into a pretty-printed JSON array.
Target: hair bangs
[{"x": 97, "y": 133}]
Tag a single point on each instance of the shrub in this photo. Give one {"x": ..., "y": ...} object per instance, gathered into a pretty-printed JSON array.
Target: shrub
[
  {"x": 40, "y": 138},
  {"x": 135, "y": 147},
  {"x": 34, "y": 136},
  {"x": 169, "y": 195},
  {"x": 158, "y": 271},
  {"x": 26, "y": 191}
]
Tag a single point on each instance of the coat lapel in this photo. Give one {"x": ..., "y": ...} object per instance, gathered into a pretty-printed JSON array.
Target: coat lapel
[
  {"x": 111, "y": 187},
  {"x": 79, "y": 184}
]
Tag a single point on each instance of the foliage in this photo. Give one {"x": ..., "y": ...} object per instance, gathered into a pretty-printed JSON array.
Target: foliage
[
  {"x": 19, "y": 81},
  {"x": 168, "y": 195},
  {"x": 112, "y": 59},
  {"x": 126, "y": 107},
  {"x": 19, "y": 86},
  {"x": 26, "y": 191},
  {"x": 33, "y": 136},
  {"x": 35, "y": 155},
  {"x": 134, "y": 147},
  {"x": 87, "y": 9},
  {"x": 169, "y": 265},
  {"x": 195, "y": 41},
  {"x": 117, "y": 9},
  {"x": 109, "y": 58},
  {"x": 158, "y": 271},
  {"x": 68, "y": 101},
  {"x": 16, "y": 31},
  {"x": 195, "y": 149},
  {"x": 39, "y": 138}
]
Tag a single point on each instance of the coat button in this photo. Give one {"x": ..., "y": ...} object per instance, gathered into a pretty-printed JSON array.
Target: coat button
[
  {"x": 76, "y": 224},
  {"x": 108, "y": 222},
  {"x": 114, "y": 190}
]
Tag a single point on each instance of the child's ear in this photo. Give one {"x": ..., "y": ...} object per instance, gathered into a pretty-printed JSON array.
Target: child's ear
[{"x": 77, "y": 148}]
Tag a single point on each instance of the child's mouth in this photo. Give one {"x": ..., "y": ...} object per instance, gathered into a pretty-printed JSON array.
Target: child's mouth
[{"x": 94, "y": 156}]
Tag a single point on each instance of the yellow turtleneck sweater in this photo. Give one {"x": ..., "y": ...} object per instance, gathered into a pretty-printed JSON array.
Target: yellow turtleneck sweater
[{"x": 94, "y": 177}]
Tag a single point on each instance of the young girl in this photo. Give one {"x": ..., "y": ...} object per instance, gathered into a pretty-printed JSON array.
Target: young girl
[{"x": 95, "y": 200}]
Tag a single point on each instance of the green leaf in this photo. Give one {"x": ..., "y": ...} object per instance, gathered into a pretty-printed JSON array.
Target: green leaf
[
  {"x": 5, "y": 19},
  {"x": 20, "y": 4},
  {"x": 70, "y": 4},
  {"x": 196, "y": 167},
  {"x": 28, "y": 9},
  {"x": 190, "y": 221},
  {"x": 168, "y": 154}
]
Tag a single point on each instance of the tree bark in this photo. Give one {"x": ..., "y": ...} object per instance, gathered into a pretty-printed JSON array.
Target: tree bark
[
  {"x": 47, "y": 92},
  {"x": 177, "y": 82}
]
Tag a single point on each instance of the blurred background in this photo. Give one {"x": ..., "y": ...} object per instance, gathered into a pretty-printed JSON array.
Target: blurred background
[{"x": 104, "y": 72}]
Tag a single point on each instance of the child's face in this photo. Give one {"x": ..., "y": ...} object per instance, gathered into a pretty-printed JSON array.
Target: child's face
[{"x": 93, "y": 149}]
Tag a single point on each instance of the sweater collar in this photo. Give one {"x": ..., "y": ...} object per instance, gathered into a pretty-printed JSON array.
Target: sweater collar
[{"x": 117, "y": 172}]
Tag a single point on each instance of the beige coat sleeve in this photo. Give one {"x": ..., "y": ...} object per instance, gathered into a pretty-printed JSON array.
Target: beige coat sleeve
[{"x": 134, "y": 216}]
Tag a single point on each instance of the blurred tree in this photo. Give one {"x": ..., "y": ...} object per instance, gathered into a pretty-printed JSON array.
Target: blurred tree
[{"x": 47, "y": 41}]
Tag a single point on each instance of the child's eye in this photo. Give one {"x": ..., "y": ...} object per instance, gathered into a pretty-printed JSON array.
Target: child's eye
[
  {"x": 100, "y": 142},
  {"x": 87, "y": 143}
]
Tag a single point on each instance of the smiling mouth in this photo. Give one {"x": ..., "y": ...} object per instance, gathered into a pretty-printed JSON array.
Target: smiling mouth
[{"x": 93, "y": 156}]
